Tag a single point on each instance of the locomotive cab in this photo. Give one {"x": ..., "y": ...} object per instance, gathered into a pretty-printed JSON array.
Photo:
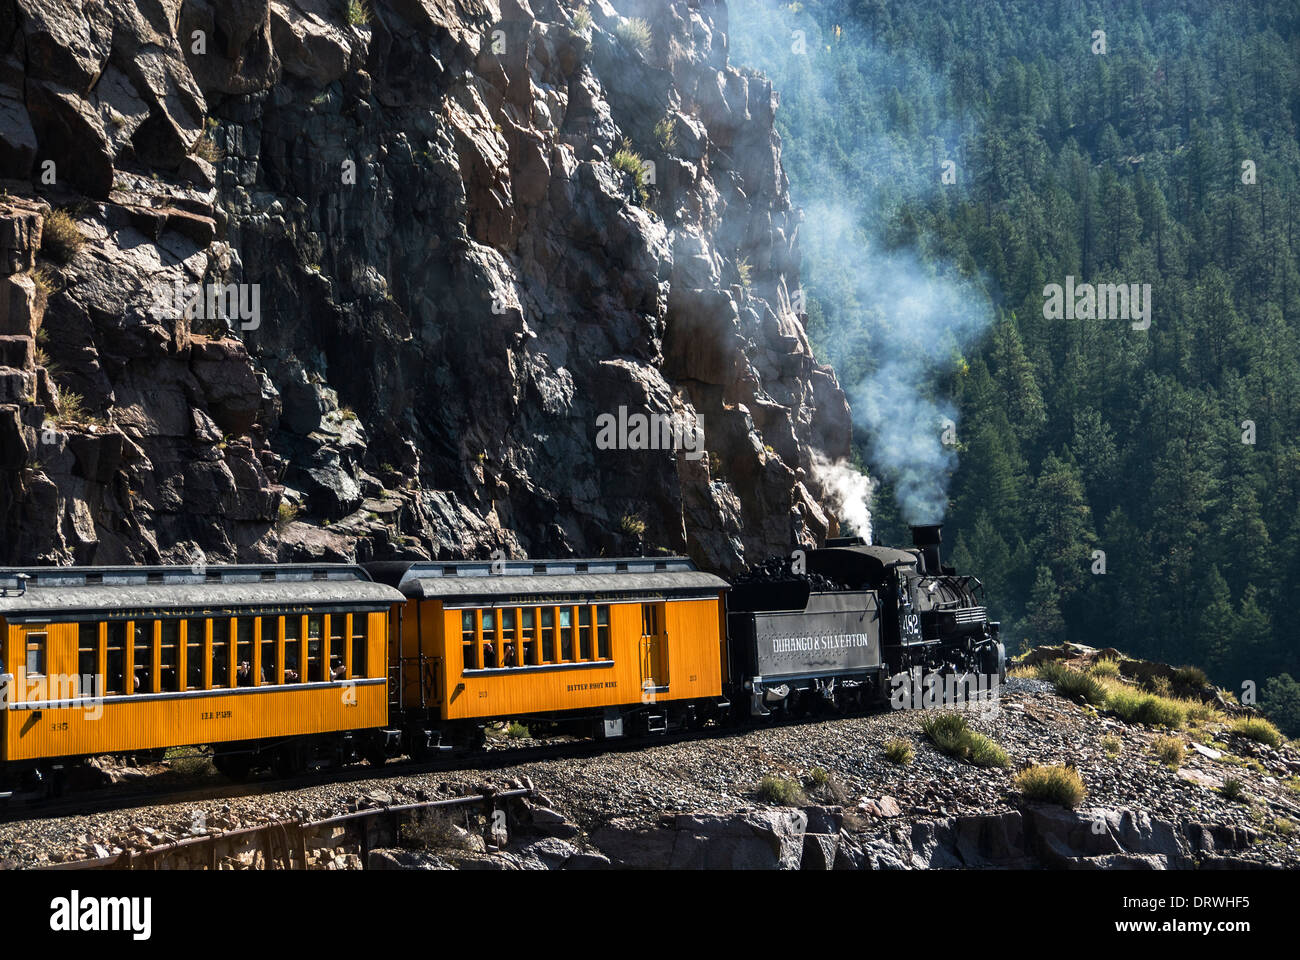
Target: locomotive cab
[{"x": 932, "y": 617}]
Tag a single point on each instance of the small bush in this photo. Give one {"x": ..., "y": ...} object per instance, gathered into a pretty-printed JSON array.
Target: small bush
[
  {"x": 1257, "y": 729},
  {"x": 205, "y": 148},
  {"x": 191, "y": 767},
  {"x": 630, "y": 162},
  {"x": 1132, "y": 706},
  {"x": 45, "y": 280},
  {"x": 1232, "y": 789},
  {"x": 1160, "y": 686},
  {"x": 517, "y": 731},
  {"x": 632, "y": 525},
  {"x": 72, "y": 409},
  {"x": 60, "y": 237},
  {"x": 951, "y": 735},
  {"x": 358, "y": 13},
  {"x": 821, "y": 779},
  {"x": 1112, "y": 745},
  {"x": 899, "y": 751},
  {"x": 1052, "y": 784},
  {"x": 1071, "y": 684},
  {"x": 1170, "y": 750},
  {"x": 286, "y": 514},
  {"x": 635, "y": 32},
  {"x": 781, "y": 792},
  {"x": 745, "y": 270},
  {"x": 1198, "y": 711},
  {"x": 1192, "y": 678},
  {"x": 582, "y": 20},
  {"x": 666, "y": 134},
  {"x": 1104, "y": 668}
]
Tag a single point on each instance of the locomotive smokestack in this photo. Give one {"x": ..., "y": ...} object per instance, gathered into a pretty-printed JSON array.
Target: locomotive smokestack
[{"x": 928, "y": 537}]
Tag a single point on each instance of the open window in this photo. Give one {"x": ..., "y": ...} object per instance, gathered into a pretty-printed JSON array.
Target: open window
[
  {"x": 244, "y": 630},
  {"x": 293, "y": 649},
  {"x": 270, "y": 650},
  {"x": 359, "y": 659},
  {"x": 169, "y": 657},
  {"x": 87, "y": 655},
  {"x": 142, "y": 647},
  {"x": 115, "y": 679},
  {"x": 221, "y": 653},
  {"x": 194, "y": 657},
  {"x": 316, "y": 648}
]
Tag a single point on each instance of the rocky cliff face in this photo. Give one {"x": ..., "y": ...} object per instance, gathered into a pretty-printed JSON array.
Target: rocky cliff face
[{"x": 303, "y": 279}]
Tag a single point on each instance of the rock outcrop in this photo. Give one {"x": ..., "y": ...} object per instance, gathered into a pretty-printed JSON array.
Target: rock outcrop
[
  {"x": 813, "y": 838},
  {"x": 357, "y": 287}
]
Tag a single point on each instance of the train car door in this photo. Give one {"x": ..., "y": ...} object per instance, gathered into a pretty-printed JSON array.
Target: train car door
[{"x": 654, "y": 647}]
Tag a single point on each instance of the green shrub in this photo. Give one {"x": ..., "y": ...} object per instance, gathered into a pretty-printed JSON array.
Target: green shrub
[
  {"x": 632, "y": 525},
  {"x": 951, "y": 735},
  {"x": 205, "y": 148},
  {"x": 60, "y": 238},
  {"x": 630, "y": 162},
  {"x": 899, "y": 751},
  {"x": 1160, "y": 686},
  {"x": 286, "y": 514},
  {"x": 1193, "y": 678},
  {"x": 358, "y": 13},
  {"x": 1104, "y": 668},
  {"x": 191, "y": 766},
  {"x": 1112, "y": 745},
  {"x": 1133, "y": 706},
  {"x": 745, "y": 270},
  {"x": 1170, "y": 750},
  {"x": 1232, "y": 789},
  {"x": 1051, "y": 784},
  {"x": 73, "y": 410},
  {"x": 517, "y": 731},
  {"x": 821, "y": 779},
  {"x": 581, "y": 20},
  {"x": 635, "y": 32},
  {"x": 1257, "y": 729},
  {"x": 781, "y": 791},
  {"x": 1072, "y": 684},
  {"x": 666, "y": 134},
  {"x": 1198, "y": 711}
]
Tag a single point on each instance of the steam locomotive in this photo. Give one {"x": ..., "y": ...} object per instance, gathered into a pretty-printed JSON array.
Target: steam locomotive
[
  {"x": 856, "y": 624},
  {"x": 292, "y": 666}
]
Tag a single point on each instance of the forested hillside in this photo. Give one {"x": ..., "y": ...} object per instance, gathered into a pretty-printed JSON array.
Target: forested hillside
[{"x": 1169, "y": 159}]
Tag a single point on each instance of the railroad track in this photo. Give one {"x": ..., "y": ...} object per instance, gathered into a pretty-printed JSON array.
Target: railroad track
[{"x": 128, "y": 796}]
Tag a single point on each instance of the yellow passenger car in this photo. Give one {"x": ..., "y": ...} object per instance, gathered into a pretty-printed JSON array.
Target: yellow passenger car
[
  {"x": 267, "y": 664},
  {"x": 601, "y": 642}
]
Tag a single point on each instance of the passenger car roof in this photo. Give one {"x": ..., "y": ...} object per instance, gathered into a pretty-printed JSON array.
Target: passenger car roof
[
  {"x": 65, "y": 592},
  {"x": 519, "y": 580}
]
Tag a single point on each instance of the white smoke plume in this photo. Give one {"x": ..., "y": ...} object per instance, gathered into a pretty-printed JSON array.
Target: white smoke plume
[
  {"x": 850, "y": 493},
  {"x": 900, "y": 324}
]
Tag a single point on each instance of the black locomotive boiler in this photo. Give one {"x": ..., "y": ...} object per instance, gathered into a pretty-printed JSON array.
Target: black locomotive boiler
[{"x": 849, "y": 623}]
